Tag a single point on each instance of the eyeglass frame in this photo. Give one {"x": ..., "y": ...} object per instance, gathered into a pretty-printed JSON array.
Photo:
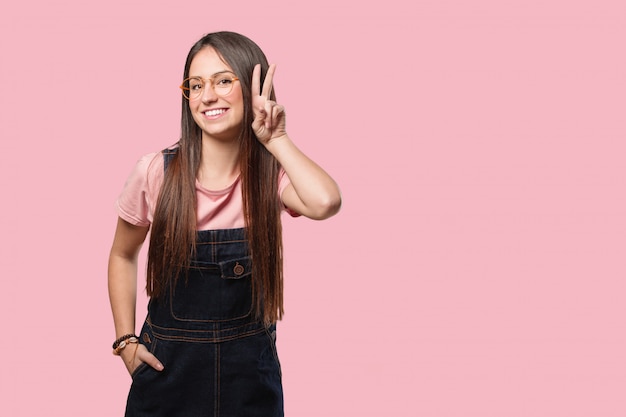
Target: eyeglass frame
[{"x": 204, "y": 82}]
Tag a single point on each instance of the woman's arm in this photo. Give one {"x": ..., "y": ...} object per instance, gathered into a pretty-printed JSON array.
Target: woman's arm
[
  {"x": 123, "y": 290},
  {"x": 312, "y": 192}
]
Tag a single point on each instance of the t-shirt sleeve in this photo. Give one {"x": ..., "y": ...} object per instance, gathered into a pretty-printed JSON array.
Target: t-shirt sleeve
[
  {"x": 138, "y": 198},
  {"x": 283, "y": 182}
]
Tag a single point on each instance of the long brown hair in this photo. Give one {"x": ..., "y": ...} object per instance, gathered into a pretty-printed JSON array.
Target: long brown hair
[{"x": 173, "y": 235}]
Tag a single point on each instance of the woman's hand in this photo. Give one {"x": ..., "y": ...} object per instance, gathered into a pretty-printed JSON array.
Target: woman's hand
[
  {"x": 134, "y": 354},
  {"x": 312, "y": 192},
  {"x": 269, "y": 117}
]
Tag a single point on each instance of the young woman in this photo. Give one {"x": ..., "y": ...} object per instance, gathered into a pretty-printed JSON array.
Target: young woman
[{"x": 214, "y": 272}]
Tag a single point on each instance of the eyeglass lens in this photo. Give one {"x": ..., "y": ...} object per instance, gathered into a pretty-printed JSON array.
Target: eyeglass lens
[{"x": 222, "y": 85}]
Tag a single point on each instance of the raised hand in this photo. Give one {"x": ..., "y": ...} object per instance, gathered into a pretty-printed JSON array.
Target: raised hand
[{"x": 269, "y": 116}]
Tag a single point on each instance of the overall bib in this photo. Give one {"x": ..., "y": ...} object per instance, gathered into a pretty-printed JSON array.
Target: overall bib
[{"x": 219, "y": 361}]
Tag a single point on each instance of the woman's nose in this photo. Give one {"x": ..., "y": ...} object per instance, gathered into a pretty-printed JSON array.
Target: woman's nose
[{"x": 208, "y": 93}]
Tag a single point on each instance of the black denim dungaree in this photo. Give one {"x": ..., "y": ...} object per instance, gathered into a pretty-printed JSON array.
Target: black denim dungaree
[{"x": 219, "y": 361}]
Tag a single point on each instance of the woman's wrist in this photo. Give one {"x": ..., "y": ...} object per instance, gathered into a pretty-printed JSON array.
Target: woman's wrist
[
  {"x": 274, "y": 145},
  {"x": 120, "y": 343}
]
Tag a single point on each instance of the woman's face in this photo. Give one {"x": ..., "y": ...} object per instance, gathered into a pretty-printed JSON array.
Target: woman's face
[{"x": 219, "y": 116}]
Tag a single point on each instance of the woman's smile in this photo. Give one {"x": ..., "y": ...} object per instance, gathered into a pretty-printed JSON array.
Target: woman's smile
[{"x": 215, "y": 113}]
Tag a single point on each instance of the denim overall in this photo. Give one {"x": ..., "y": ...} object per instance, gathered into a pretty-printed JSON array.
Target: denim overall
[{"x": 219, "y": 361}]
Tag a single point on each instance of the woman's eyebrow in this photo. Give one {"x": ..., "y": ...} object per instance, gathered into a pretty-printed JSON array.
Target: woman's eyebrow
[{"x": 212, "y": 75}]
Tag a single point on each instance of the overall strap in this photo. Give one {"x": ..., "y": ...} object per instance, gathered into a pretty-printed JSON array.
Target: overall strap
[{"x": 168, "y": 154}]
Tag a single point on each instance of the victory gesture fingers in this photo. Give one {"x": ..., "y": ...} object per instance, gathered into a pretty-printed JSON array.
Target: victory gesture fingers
[{"x": 269, "y": 117}]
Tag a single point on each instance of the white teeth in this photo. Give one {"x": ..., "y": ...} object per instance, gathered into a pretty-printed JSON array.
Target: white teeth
[{"x": 214, "y": 112}]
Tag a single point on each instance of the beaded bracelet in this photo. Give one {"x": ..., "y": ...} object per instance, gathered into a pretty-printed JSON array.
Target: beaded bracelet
[
  {"x": 120, "y": 347},
  {"x": 121, "y": 339}
]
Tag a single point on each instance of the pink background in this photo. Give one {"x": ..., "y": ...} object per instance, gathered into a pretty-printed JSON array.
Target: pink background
[{"x": 478, "y": 265}]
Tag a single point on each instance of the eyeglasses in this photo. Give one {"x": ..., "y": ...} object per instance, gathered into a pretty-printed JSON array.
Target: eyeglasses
[{"x": 222, "y": 84}]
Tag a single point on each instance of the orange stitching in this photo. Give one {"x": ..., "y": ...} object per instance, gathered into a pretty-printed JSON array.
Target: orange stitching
[{"x": 208, "y": 339}]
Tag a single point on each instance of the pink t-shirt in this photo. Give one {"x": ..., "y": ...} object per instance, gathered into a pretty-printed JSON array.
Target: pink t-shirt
[{"x": 217, "y": 209}]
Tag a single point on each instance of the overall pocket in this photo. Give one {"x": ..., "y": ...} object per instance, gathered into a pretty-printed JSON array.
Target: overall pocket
[
  {"x": 270, "y": 333},
  {"x": 214, "y": 291}
]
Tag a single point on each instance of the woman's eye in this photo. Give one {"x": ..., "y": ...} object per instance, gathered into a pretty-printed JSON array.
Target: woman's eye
[{"x": 223, "y": 81}]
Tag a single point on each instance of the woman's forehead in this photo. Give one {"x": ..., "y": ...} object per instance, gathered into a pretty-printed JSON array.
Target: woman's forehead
[{"x": 206, "y": 63}]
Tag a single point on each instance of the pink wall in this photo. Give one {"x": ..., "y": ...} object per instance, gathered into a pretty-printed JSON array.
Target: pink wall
[{"x": 477, "y": 267}]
